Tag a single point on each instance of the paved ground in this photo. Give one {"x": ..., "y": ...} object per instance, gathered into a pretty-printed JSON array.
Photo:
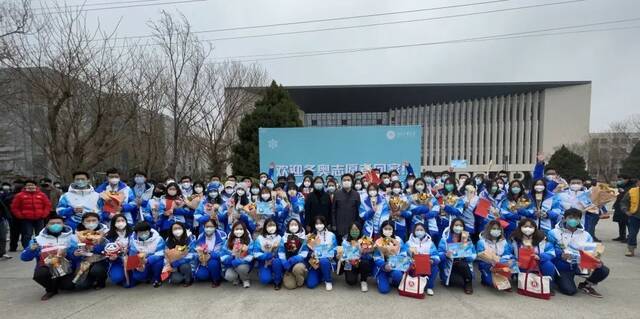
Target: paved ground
[{"x": 20, "y": 298}]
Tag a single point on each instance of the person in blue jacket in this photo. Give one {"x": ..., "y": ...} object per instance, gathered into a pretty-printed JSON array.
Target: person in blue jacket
[
  {"x": 235, "y": 210},
  {"x": 54, "y": 241},
  {"x": 386, "y": 246},
  {"x": 128, "y": 206},
  {"x": 181, "y": 268},
  {"x": 296, "y": 207},
  {"x": 142, "y": 191},
  {"x": 170, "y": 209},
  {"x": 358, "y": 266},
  {"x": 492, "y": 242},
  {"x": 544, "y": 210},
  {"x": 255, "y": 192},
  {"x": 401, "y": 219},
  {"x": 420, "y": 243},
  {"x": 425, "y": 209},
  {"x": 452, "y": 204},
  {"x": 265, "y": 251},
  {"x": 322, "y": 248},
  {"x": 470, "y": 199},
  {"x": 514, "y": 206},
  {"x": 81, "y": 198},
  {"x": 568, "y": 239},
  {"x": 237, "y": 256},
  {"x": 208, "y": 208},
  {"x": 272, "y": 205},
  {"x": 209, "y": 247},
  {"x": 495, "y": 195},
  {"x": 458, "y": 252},
  {"x": 119, "y": 234},
  {"x": 96, "y": 275},
  {"x": 527, "y": 235},
  {"x": 293, "y": 253},
  {"x": 374, "y": 210},
  {"x": 149, "y": 246}
]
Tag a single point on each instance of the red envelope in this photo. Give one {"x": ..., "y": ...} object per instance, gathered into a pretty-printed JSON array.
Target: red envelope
[
  {"x": 133, "y": 262},
  {"x": 587, "y": 261},
  {"x": 165, "y": 275},
  {"x": 525, "y": 258},
  {"x": 482, "y": 209},
  {"x": 422, "y": 264}
]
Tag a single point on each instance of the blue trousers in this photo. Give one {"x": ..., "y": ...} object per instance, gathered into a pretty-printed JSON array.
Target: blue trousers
[
  {"x": 435, "y": 269},
  {"x": 567, "y": 285},
  {"x": 485, "y": 273},
  {"x": 210, "y": 272},
  {"x": 152, "y": 270},
  {"x": 272, "y": 273},
  {"x": 591, "y": 220},
  {"x": 323, "y": 273},
  {"x": 386, "y": 280}
]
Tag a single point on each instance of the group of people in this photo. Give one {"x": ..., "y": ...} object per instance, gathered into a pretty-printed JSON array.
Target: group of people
[{"x": 293, "y": 233}]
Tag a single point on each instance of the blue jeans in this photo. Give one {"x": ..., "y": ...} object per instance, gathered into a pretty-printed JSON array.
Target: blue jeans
[
  {"x": 634, "y": 225},
  {"x": 591, "y": 220},
  {"x": 567, "y": 285}
]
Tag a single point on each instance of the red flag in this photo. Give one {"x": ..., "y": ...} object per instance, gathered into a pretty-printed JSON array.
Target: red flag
[
  {"x": 482, "y": 209},
  {"x": 165, "y": 275},
  {"x": 503, "y": 223},
  {"x": 525, "y": 257},
  {"x": 587, "y": 261},
  {"x": 422, "y": 264}
]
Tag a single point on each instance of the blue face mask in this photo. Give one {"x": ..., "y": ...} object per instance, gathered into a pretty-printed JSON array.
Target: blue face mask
[
  {"x": 515, "y": 190},
  {"x": 572, "y": 223},
  {"x": 55, "y": 228}
]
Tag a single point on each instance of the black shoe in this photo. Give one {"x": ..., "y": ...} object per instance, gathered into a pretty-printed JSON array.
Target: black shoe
[
  {"x": 157, "y": 284},
  {"x": 617, "y": 239},
  {"x": 277, "y": 286},
  {"x": 48, "y": 295}
]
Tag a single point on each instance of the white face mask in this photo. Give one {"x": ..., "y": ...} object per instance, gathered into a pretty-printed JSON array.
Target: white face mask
[
  {"x": 397, "y": 191},
  {"x": 306, "y": 183},
  {"x": 255, "y": 191},
  {"x": 114, "y": 180},
  {"x": 177, "y": 232},
  {"x": 209, "y": 230},
  {"x": 358, "y": 187},
  {"x": 265, "y": 196},
  {"x": 331, "y": 189},
  {"x": 90, "y": 226},
  {"x": 539, "y": 188},
  {"x": 420, "y": 234},
  {"x": 346, "y": 184},
  {"x": 395, "y": 178},
  {"x": 213, "y": 194},
  {"x": 229, "y": 191},
  {"x": 373, "y": 193},
  {"x": 238, "y": 233},
  {"x": 386, "y": 181},
  {"x": 528, "y": 230},
  {"x": 172, "y": 192},
  {"x": 319, "y": 227},
  {"x": 263, "y": 180},
  {"x": 496, "y": 233},
  {"x": 271, "y": 230},
  {"x": 198, "y": 189},
  {"x": 121, "y": 225},
  {"x": 293, "y": 229},
  {"x": 387, "y": 232},
  {"x": 186, "y": 185},
  {"x": 240, "y": 192},
  {"x": 575, "y": 187},
  {"x": 458, "y": 229},
  {"x": 419, "y": 187},
  {"x": 270, "y": 186}
]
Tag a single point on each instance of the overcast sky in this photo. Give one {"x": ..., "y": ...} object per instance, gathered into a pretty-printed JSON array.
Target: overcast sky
[{"x": 610, "y": 59}]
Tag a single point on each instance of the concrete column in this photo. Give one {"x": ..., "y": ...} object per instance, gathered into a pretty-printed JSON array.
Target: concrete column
[
  {"x": 534, "y": 126},
  {"x": 527, "y": 130},
  {"x": 468, "y": 149},
  {"x": 507, "y": 130}
]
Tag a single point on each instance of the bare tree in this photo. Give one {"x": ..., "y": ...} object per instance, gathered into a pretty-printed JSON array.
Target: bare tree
[
  {"x": 71, "y": 100},
  {"x": 229, "y": 97},
  {"x": 184, "y": 60},
  {"x": 14, "y": 17}
]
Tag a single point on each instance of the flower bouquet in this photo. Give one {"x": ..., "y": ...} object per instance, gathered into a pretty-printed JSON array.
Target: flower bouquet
[
  {"x": 54, "y": 258},
  {"x": 171, "y": 255},
  {"x": 366, "y": 245},
  {"x": 387, "y": 246},
  {"x": 203, "y": 254},
  {"x": 239, "y": 249},
  {"x": 112, "y": 202}
]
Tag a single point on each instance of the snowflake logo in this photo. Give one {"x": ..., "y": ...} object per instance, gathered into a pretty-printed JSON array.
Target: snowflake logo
[
  {"x": 391, "y": 135},
  {"x": 272, "y": 144}
]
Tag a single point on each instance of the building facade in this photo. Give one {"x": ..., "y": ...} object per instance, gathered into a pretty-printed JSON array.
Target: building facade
[{"x": 493, "y": 126}]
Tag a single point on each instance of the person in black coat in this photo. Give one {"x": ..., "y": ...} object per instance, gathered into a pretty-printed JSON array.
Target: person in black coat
[
  {"x": 317, "y": 204},
  {"x": 345, "y": 207},
  {"x": 624, "y": 184}
]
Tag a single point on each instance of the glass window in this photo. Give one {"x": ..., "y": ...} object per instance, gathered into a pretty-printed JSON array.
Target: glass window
[{"x": 314, "y": 122}]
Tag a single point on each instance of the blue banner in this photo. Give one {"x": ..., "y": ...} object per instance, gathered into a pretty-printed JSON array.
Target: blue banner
[{"x": 338, "y": 150}]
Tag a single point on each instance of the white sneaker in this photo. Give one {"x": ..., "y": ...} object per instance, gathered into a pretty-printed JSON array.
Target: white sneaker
[
  {"x": 429, "y": 292},
  {"x": 328, "y": 286},
  {"x": 246, "y": 283},
  {"x": 364, "y": 287}
]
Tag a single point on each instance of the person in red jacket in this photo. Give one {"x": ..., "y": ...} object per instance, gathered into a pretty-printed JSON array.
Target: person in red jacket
[{"x": 31, "y": 206}]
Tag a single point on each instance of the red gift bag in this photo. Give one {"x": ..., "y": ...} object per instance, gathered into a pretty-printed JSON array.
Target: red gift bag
[
  {"x": 587, "y": 261},
  {"x": 533, "y": 284},
  {"x": 482, "y": 209},
  {"x": 422, "y": 265},
  {"x": 133, "y": 262},
  {"x": 525, "y": 258}
]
